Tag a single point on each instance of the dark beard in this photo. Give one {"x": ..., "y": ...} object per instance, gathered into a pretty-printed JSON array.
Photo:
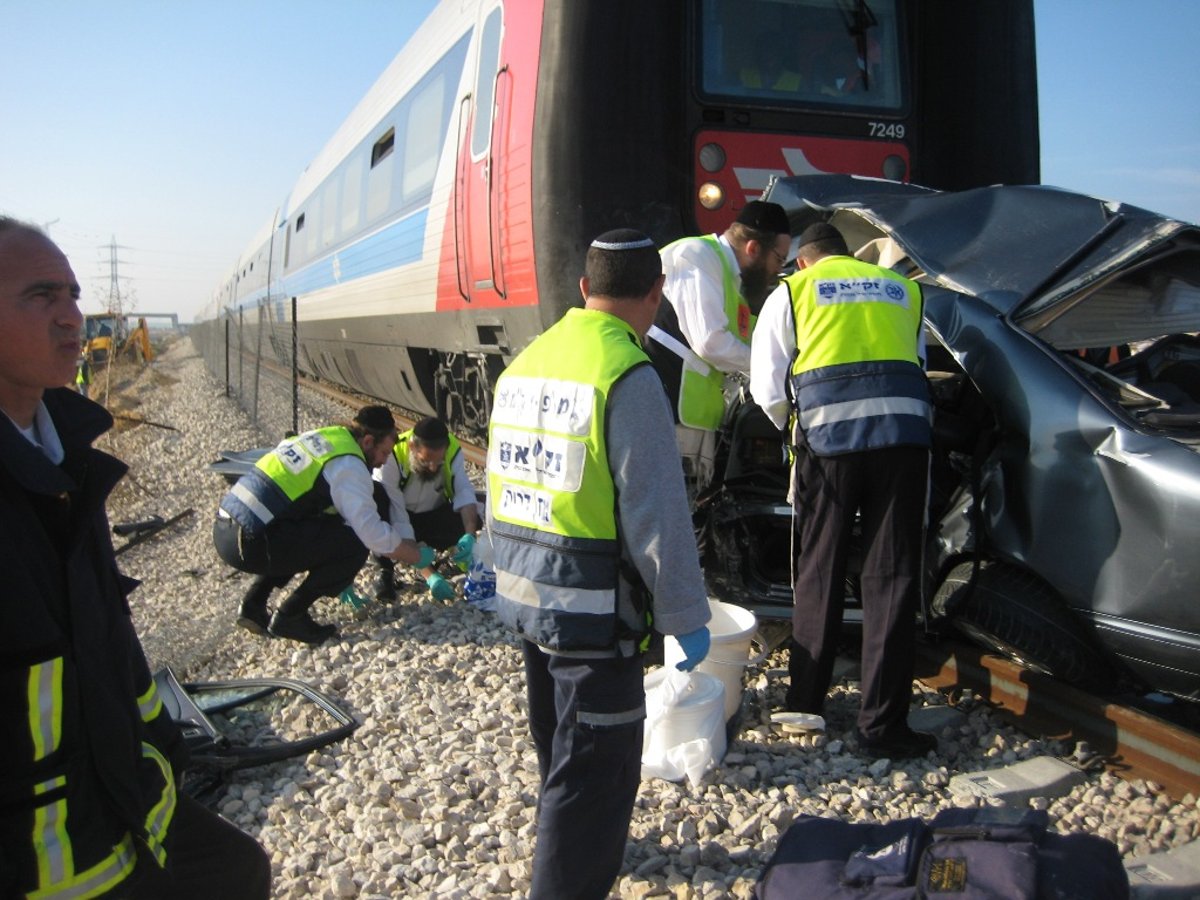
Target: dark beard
[
  {"x": 755, "y": 288},
  {"x": 426, "y": 475}
]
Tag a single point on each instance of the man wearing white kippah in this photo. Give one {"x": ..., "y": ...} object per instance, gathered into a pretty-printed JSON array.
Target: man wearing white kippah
[{"x": 593, "y": 548}]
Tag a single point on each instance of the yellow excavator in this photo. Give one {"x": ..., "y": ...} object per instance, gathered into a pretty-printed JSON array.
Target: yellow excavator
[
  {"x": 137, "y": 343},
  {"x": 106, "y": 333}
]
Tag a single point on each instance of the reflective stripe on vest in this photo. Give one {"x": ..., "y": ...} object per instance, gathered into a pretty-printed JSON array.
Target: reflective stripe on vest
[
  {"x": 551, "y": 495},
  {"x": 159, "y": 817},
  {"x": 150, "y": 703},
  {"x": 285, "y": 475},
  {"x": 45, "y": 706},
  {"x": 857, "y": 381},
  {"x": 701, "y": 388},
  {"x": 54, "y": 854},
  {"x": 93, "y": 881},
  {"x": 400, "y": 451}
]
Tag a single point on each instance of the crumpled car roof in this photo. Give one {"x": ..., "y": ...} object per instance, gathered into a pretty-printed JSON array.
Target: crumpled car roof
[{"x": 1009, "y": 245}]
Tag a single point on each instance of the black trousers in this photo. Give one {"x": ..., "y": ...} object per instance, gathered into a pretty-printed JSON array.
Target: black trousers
[
  {"x": 889, "y": 487},
  {"x": 440, "y": 527},
  {"x": 207, "y": 857},
  {"x": 323, "y": 546},
  {"x": 585, "y": 716}
]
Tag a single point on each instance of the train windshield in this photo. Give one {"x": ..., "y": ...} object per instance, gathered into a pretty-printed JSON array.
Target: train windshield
[{"x": 811, "y": 53}]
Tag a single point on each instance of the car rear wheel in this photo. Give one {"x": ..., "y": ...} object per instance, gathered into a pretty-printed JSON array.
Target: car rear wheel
[{"x": 1017, "y": 615}]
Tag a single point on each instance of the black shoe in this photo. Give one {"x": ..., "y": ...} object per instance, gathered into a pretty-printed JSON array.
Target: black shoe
[
  {"x": 253, "y": 618},
  {"x": 384, "y": 586},
  {"x": 903, "y": 743},
  {"x": 300, "y": 627}
]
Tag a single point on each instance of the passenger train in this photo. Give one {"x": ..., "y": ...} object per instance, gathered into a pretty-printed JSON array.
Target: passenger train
[{"x": 445, "y": 223}]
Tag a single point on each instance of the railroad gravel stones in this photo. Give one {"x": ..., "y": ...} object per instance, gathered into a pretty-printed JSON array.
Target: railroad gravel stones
[{"x": 435, "y": 794}]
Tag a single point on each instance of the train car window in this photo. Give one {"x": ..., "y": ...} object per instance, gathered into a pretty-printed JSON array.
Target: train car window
[
  {"x": 383, "y": 147},
  {"x": 352, "y": 193},
  {"x": 422, "y": 143},
  {"x": 485, "y": 82},
  {"x": 300, "y": 222},
  {"x": 314, "y": 233},
  {"x": 329, "y": 224},
  {"x": 379, "y": 187},
  {"x": 804, "y": 53}
]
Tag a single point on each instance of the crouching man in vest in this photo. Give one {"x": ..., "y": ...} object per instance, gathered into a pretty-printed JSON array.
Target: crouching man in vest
[
  {"x": 593, "y": 546},
  {"x": 426, "y": 467},
  {"x": 90, "y": 761},
  {"x": 310, "y": 506}
]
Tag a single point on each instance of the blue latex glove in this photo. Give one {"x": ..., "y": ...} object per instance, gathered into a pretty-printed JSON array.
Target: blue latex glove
[
  {"x": 695, "y": 647},
  {"x": 428, "y": 554},
  {"x": 466, "y": 547},
  {"x": 351, "y": 597},
  {"x": 440, "y": 587}
]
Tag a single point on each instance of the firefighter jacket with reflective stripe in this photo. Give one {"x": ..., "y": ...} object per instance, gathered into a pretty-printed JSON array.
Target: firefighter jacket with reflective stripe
[
  {"x": 857, "y": 381},
  {"x": 701, "y": 401},
  {"x": 287, "y": 482},
  {"x": 400, "y": 451},
  {"x": 87, "y": 751},
  {"x": 550, "y": 491}
]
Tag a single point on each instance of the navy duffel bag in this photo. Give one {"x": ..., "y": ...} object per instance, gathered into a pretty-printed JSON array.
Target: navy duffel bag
[{"x": 961, "y": 853}]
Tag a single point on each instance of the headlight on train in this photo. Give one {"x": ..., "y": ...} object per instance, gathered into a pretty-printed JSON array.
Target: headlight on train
[
  {"x": 711, "y": 195},
  {"x": 712, "y": 157},
  {"x": 894, "y": 168}
]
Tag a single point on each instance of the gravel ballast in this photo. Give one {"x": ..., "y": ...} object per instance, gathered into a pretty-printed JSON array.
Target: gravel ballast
[{"x": 434, "y": 794}]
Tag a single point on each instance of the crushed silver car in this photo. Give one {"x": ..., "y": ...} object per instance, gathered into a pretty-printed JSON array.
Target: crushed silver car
[{"x": 1065, "y": 366}]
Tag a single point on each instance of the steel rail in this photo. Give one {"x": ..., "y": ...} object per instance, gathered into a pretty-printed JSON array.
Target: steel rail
[{"x": 1132, "y": 744}]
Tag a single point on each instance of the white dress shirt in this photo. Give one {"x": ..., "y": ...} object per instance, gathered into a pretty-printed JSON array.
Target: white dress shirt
[
  {"x": 695, "y": 287},
  {"x": 352, "y": 491}
]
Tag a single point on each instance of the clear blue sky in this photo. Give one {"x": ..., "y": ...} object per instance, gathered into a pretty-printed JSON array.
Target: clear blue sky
[{"x": 177, "y": 127}]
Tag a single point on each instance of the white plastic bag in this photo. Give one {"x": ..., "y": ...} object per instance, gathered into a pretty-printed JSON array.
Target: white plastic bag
[
  {"x": 479, "y": 588},
  {"x": 684, "y": 732}
]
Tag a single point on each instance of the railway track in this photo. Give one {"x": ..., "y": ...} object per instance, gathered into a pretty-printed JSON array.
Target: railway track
[{"x": 1131, "y": 743}]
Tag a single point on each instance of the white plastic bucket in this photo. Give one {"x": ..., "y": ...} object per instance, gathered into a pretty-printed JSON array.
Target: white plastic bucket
[
  {"x": 732, "y": 630},
  {"x": 689, "y": 719}
]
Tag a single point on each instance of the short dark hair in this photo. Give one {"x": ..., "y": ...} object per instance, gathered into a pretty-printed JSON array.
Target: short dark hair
[
  {"x": 821, "y": 239},
  {"x": 431, "y": 433},
  {"x": 376, "y": 421},
  {"x": 622, "y": 264},
  {"x": 8, "y": 223}
]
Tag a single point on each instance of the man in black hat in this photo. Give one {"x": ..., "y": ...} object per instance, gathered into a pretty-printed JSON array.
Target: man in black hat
[
  {"x": 839, "y": 350},
  {"x": 310, "y": 506},
  {"x": 715, "y": 286},
  {"x": 427, "y": 471}
]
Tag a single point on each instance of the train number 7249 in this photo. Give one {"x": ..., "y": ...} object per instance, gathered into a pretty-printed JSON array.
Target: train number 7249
[{"x": 893, "y": 130}]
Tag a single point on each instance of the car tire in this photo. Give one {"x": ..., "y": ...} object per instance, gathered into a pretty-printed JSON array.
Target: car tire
[{"x": 1015, "y": 614}]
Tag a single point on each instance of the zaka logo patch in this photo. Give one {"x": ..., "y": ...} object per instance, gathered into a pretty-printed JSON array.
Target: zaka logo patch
[
  {"x": 294, "y": 457},
  {"x": 861, "y": 290},
  {"x": 544, "y": 460}
]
